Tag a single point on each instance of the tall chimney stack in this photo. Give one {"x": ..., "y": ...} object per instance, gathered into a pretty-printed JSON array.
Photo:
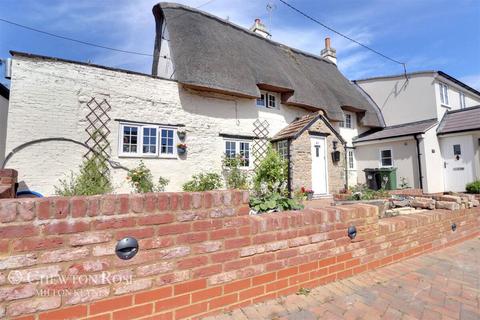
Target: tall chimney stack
[
  {"x": 328, "y": 52},
  {"x": 259, "y": 28}
]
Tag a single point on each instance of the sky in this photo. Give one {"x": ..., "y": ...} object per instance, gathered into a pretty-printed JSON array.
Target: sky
[{"x": 425, "y": 34}]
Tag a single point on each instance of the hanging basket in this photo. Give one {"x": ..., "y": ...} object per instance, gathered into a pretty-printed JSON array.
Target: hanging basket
[{"x": 181, "y": 135}]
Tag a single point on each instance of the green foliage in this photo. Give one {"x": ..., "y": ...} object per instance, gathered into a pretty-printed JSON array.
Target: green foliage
[
  {"x": 235, "y": 177},
  {"x": 473, "y": 187},
  {"x": 361, "y": 192},
  {"x": 270, "y": 185},
  {"x": 271, "y": 175},
  {"x": 89, "y": 181},
  {"x": 303, "y": 291},
  {"x": 274, "y": 202},
  {"x": 203, "y": 182},
  {"x": 141, "y": 180}
]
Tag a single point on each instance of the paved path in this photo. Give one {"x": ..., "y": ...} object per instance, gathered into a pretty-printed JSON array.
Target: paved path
[{"x": 442, "y": 285}]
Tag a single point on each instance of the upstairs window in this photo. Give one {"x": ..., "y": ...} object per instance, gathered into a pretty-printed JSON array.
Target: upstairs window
[
  {"x": 261, "y": 100},
  {"x": 347, "y": 121},
  {"x": 146, "y": 140},
  {"x": 386, "y": 159},
  {"x": 443, "y": 93},
  {"x": 267, "y": 100},
  {"x": 462, "y": 100}
]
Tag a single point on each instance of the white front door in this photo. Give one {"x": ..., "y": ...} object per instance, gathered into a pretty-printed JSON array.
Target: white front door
[
  {"x": 319, "y": 165},
  {"x": 458, "y": 157}
]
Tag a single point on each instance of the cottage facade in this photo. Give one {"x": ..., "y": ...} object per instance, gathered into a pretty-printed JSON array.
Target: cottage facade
[
  {"x": 432, "y": 131},
  {"x": 220, "y": 93}
]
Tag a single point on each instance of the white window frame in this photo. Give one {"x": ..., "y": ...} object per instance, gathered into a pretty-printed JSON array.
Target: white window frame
[
  {"x": 381, "y": 158},
  {"x": 237, "y": 149},
  {"x": 140, "y": 153},
  {"x": 462, "y": 100},
  {"x": 282, "y": 148},
  {"x": 261, "y": 102},
  {"x": 444, "y": 94},
  {"x": 351, "y": 160},
  {"x": 343, "y": 124},
  {"x": 268, "y": 97}
]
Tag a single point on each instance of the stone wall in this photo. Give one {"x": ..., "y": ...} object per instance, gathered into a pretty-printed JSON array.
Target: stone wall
[
  {"x": 301, "y": 160},
  {"x": 200, "y": 253}
]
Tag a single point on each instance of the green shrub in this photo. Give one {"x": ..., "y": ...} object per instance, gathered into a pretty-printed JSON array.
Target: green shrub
[
  {"x": 93, "y": 178},
  {"x": 203, "y": 182},
  {"x": 271, "y": 175},
  {"x": 235, "y": 177},
  {"x": 473, "y": 187},
  {"x": 270, "y": 185},
  {"x": 361, "y": 192},
  {"x": 274, "y": 202},
  {"x": 141, "y": 179}
]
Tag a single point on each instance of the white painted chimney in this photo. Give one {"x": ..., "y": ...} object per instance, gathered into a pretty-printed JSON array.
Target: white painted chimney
[
  {"x": 259, "y": 28},
  {"x": 329, "y": 53}
]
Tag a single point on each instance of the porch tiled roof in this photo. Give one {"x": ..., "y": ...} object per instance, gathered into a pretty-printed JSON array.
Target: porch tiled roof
[
  {"x": 295, "y": 127},
  {"x": 400, "y": 130},
  {"x": 460, "y": 120}
]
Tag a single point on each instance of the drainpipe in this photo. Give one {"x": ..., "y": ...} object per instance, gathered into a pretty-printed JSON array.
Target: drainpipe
[
  {"x": 419, "y": 162},
  {"x": 289, "y": 171},
  {"x": 346, "y": 166}
]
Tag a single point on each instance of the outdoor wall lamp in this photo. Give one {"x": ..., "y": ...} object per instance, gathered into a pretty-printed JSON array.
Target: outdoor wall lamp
[
  {"x": 126, "y": 248},
  {"x": 454, "y": 226},
  {"x": 352, "y": 232}
]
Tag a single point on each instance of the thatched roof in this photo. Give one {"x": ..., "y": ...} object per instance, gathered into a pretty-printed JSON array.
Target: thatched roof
[{"x": 214, "y": 54}]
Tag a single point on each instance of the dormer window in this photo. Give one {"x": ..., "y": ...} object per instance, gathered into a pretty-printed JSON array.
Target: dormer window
[
  {"x": 267, "y": 100},
  {"x": 271, "y": 101},
  {"x": 347, "y": 121},
  {"x": 443, "y": 93}
]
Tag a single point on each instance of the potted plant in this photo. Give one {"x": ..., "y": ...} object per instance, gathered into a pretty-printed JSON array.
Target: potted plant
[
  {"x": 308, "y": 193},
  {"x": 181, "y": 134},
  {"x": 182, "y": 148}
]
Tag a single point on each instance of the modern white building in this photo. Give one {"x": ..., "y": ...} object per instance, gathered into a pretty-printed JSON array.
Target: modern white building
[{"x": 432, "y": 133}]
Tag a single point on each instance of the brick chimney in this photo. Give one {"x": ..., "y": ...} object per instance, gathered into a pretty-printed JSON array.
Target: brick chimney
[
  {"x": 329, "y": 53},
  {"x": 8, "y": 183},
  {"x": 259, "y": 28}
]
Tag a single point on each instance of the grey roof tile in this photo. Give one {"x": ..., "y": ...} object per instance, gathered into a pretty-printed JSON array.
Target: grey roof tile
[
  {"x": 467, "y": 119},
  {"x": 400, "y": 130}
]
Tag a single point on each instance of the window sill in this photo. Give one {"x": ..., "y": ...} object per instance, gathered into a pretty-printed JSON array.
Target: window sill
[{"x": 141, "y": 156}]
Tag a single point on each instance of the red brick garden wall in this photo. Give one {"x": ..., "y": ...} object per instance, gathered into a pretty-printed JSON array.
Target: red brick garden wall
[
  {"x": 8, "y": 179},
  {"x": 200, "y": 253}
]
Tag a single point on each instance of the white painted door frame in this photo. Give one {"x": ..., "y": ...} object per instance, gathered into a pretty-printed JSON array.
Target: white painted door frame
[
  {"x": 458, "y": 157},
  {"x": 318, "y": 150}
]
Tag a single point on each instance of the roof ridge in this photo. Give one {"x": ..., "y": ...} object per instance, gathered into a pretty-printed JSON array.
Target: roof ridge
[
  {"x": 410, "y": 123},
  {"x": 174, "y": 5},
  {"x": 464, "y": 109}
]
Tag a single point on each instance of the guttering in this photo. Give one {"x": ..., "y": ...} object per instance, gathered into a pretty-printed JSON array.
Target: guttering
[{"x": 419, "y": 162}]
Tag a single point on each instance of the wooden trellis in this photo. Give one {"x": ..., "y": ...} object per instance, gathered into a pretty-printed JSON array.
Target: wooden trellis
[
  {"x": 98, "y": 131},
  {"x": 260, "y": 143}
]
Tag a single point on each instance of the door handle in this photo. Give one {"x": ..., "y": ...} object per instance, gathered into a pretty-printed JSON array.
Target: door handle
[{"x": 445, "y": 164}]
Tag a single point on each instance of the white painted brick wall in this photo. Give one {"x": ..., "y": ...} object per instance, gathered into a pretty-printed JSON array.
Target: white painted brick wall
[{"x": 48, "y": 99}]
